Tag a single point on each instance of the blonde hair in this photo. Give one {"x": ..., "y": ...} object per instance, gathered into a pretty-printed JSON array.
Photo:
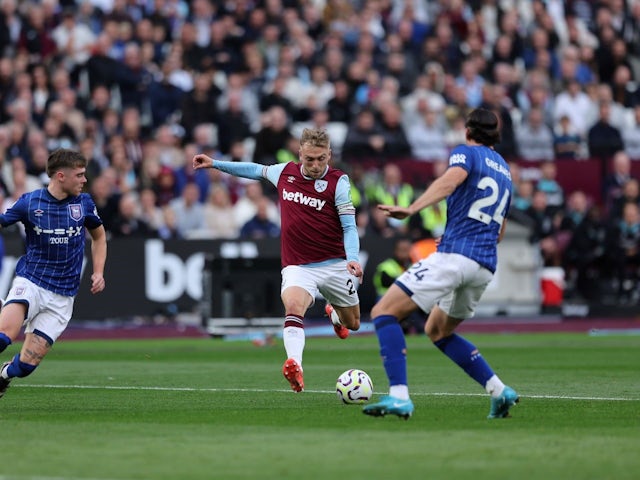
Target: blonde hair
[{"x": 315, "y": 138}]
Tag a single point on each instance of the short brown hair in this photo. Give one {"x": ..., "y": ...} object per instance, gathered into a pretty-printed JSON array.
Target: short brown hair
[
  {"x": 315, "y": 138},
  {"x": 63, "y": 158}
]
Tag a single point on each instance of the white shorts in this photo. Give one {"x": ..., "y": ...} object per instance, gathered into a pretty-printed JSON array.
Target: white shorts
[
  {"x": 452, "y": 281},
  {"x": 333, "y": 282},
  {"x": 47, "y": 312}
]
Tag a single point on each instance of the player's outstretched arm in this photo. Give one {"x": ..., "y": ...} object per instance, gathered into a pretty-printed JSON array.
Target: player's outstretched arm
[
  {"x": 441, "y": 188},
  {"x": 98, "y": 258},
  {"x": 202, "y": 161}
]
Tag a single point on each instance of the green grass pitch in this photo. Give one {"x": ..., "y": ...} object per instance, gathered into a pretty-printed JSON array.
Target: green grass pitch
[{"x": 209, "y": 409}]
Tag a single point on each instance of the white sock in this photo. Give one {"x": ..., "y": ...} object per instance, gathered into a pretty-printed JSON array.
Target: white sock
[
  {"x": 494, "y": 386},
  {"x": 399, "y": 391},
  {"x": 294, "y": 338},
  {"x": 335, "y": 319}
]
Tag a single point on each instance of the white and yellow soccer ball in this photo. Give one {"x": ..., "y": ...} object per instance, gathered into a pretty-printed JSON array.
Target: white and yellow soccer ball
[{"x": 354, "y": 386}]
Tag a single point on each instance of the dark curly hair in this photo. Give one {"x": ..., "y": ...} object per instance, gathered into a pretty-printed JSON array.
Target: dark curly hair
[{"x": 483, "y": 127}]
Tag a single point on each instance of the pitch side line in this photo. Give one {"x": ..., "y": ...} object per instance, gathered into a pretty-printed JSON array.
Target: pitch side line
[{"x": 266, "y": 390}]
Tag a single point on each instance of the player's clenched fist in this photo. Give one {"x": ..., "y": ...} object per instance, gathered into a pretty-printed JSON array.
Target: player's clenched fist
[{"x": 202, "y": 161}]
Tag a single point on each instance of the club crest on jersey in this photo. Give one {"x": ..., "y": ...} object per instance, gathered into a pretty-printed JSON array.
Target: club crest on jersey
[
  {"x": 321, "y": 185},
  {"x": 75, "y": 211}
]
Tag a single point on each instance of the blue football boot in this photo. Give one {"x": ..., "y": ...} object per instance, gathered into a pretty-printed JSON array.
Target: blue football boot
[
  {"x": 500, "y": 406},
  {"x": 390, "y": 405}
]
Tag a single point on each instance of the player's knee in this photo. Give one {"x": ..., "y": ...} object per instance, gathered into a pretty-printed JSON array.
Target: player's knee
[
  {"x": 353, "y": 323},
  {"x": 19, "y": 369},
  {"x": 432, "y": 331}
]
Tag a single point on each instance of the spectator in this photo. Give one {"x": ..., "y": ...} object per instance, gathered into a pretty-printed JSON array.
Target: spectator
[
  {"x": 219, "y": 218},
  {"x": 150, "y": 212},
  {"x": 427, "y": 139},
  {"x": 392, "y": 190},
  {"x": 274, "y": 95},
  {"x": 456, "y": 134},
  {"x": 395, "y": 143},
  {"x": 567, "y": 143},
  {"x": 168, "y": 139},
  {"x": 189, "y": 211},
  {"x": 534, "y": 138},
  {"x": 133, "y": 79},
  {"x": 614, "y": 181},
  {"x": 603, "y": 138},
  {"x": 247, "y": 205},
  {"x": 339, "y": 106},
  {"x": 165, "y": 98},
  {"x": 548, "y": 183},
  {"x": 73, "y": 41},
  {"x": 186, "y": 174},
  {"x": 472, "y": 82},
  {"x": 260, "y": 226},
  {"x": 602, "y": 93},
  {"x": 364, "y": 138},
  {"x": 631, "y": 135},
  {"x": 630, "y": 194},
  {"x": 544, "y": 225},
  {"x": 106, "y": 199},
  {"x": 169, "y": 228},
  {"x": 35, "y": 36},
  {"x": 624, "y": 252},
  {"x": 575, "y": 104},
  {"x": 272, "y": 136},
  {"x": 128, "y": 221},
  {"x": 584, "y": 259},
  {"x": 233, "y": 124}
]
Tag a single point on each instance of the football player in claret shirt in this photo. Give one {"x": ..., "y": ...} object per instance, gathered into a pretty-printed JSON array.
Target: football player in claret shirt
[
  {"x": 48, "y": 275},
  {"x": 319, "y": 241},
  {"x": 449, "y": 283}
]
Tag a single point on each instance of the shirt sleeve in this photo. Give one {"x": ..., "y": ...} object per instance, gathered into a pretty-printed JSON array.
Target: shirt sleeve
[
  {"x": 92, "y": 219},
  {"x": 255, "y": 171},
  {"x": 347, "y": 213},
  {"x": 15, "y": 213},
  {"x": 240, "y": 169}
]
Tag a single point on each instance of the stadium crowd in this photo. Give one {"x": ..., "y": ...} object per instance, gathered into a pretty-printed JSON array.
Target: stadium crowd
[{"x": 141, "y": 86}]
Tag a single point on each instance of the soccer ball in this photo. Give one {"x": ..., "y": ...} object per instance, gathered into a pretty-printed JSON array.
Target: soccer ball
[{"x": 354, "y": 386}]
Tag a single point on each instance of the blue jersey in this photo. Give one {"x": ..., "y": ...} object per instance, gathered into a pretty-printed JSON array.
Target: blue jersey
[
  {"x": 478, "y": 207},
  {"x": 55, "y": 238}
]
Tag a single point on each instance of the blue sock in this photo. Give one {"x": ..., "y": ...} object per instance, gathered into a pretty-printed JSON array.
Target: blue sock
[
  {"x": 466, "y": 356},
  {"x": 4, "y": 342},
  {"x": 19, "y": 369},
  {"x": 393, "y": 348}
]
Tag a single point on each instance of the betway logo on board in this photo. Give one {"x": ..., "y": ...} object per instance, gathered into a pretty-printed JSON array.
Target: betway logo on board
[{"x": 302, "y": 199}]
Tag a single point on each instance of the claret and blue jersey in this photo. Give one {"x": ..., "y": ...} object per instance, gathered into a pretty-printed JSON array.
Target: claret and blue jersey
[
  {"x": 478, "y": 207},
  {"x": 55, "y": 238}
]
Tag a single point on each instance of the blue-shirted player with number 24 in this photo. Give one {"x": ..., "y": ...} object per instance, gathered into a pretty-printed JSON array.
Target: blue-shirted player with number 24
[{"x": 449, "y": 283}]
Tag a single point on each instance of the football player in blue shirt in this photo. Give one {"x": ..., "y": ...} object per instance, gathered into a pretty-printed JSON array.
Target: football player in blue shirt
[
  {"x": 48, "y": 275},
  {"x": 450, "y": 282}
]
